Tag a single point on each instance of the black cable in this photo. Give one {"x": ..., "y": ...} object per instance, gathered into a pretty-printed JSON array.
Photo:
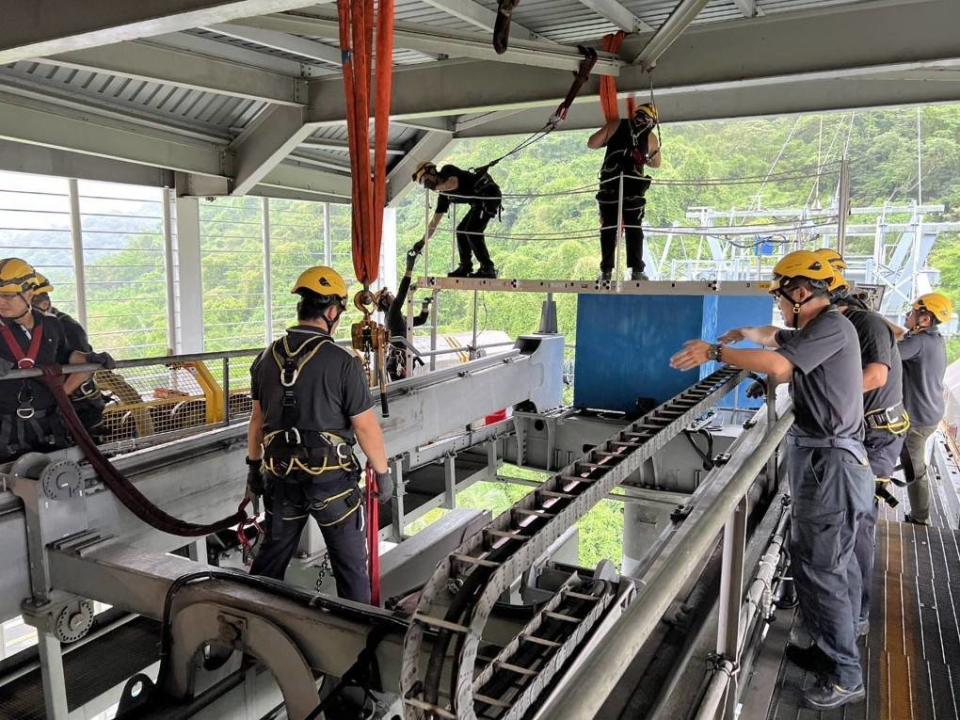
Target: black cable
[{"x": 706, "y": 457}]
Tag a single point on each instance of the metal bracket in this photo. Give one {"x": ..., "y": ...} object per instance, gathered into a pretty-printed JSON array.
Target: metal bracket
[{"x": 680, "y": 514}]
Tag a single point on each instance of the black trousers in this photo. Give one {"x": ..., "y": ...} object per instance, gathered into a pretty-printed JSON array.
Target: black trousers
[
  {"x": 470, "y": 239},
  {"x": 633, "y": 210},
  {"x": 335, "y": 502}
]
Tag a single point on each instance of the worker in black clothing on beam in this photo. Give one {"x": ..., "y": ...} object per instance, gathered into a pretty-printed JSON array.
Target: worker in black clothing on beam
[
  {"x": 311, "y": 404},
  {"x": 87, "y": 400},
  {"x": 29, "y": 417},
  {"x": 831, "y": 484},
  {"x": 475, "y": 189},
  {"x": 924, "y": 354},
  {"x": 631, "y": 146},
  {"x": 392, "y": 308}
]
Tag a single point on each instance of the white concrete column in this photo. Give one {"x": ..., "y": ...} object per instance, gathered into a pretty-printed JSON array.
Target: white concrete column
[
  {"x": 190, "y": 306},
  {"x": 388, "y": 249}
]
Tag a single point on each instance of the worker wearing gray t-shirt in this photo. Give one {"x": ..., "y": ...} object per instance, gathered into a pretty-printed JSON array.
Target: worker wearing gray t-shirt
[
  {"x": 831, "y": 483},
  {"x": 924, "y": 355}
]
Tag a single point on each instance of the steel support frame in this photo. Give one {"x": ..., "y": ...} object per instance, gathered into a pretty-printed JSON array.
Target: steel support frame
[
  {"x": 46, "y": 27},
  {"x": 448, "y": 43},
  {"x": 480, "y": 17},
  {"x": 277, "y": 133},
  {"x": 154, "y": 63},
  {"x": 619, "y": 15}
]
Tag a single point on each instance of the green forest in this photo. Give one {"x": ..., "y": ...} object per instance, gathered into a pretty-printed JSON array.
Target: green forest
[{"x": 896, "y": 156}]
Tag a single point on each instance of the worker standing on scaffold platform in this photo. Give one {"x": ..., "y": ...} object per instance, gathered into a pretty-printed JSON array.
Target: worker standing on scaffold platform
[
  {"x": 311, "y": 403},
  {"x": 631, "y": 146},
  {"x": 831, "y": 484},
  {"x": 482, "y": 194}
]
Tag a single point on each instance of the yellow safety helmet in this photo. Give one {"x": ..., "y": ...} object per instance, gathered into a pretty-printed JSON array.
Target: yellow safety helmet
[
  {"x": 16, "y": 276},
  {"x": 936, "y": 304},
  {"x": 801, "y": 264},
  {"x": 422, "y": 169},
  {"x": 43, "y": 286},
  {"x": 833, "y": 257},
  {"x": 323, "y": 281},
  {"x": 648, "y": 109}
]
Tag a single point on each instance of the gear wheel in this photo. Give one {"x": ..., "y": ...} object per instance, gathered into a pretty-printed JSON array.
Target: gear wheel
[
  {"x": 74, "y": 621},
  {"x": 61, "y": 480}
]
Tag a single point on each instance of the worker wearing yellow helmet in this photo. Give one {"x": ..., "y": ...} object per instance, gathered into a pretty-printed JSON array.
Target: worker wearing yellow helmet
[
  {"x": 830, "y": 480},
  {"x": 630, "y": 147},
  {"x": 480, "y": 193},
  {"x": 924, "y": 355},
  {"x": 311, "y": 405},
  {"x": 885, "y": 416},
  {"x": 87, "y": 400},
  {"x": 29, "y": 418}
]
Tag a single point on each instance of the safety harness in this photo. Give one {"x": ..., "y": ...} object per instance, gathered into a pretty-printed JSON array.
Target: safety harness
[
  {"x": 45, "y": 424},
  {"x": 894, "y": 420},
  {"x": 292, "y": 449}
]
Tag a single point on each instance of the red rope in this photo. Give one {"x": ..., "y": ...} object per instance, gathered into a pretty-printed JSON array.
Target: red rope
[
  {"x": 373, "y": 535},
  {"x": 358, "y": 18},
  {"x": 608, "y": 84}
]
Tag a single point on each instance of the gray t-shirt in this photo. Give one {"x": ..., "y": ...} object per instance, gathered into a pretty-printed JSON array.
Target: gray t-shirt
[
  {"x": 827, "y": 383},
  {"x": 330, "y": 390},
  {"x": 878, "y": 345},
  {"x": 924, "y": 363}
]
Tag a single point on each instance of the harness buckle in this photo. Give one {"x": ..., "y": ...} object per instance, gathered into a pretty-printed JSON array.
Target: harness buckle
[
  {"x": 26, "y": 412},
  {"x": 296, "y": 434},
  {"x": 344, "y": 452},
  {"x": 293, "y": 375},
  {"x": 26, "y": 363}
]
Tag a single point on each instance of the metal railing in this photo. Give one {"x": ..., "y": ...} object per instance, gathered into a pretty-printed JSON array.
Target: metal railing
[{"x": 722, "y": 508}]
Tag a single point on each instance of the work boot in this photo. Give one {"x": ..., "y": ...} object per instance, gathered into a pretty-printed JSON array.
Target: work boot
[
  {"x": 831, "y": 696},
  {"x": 812, "y": 659},
  {"x": 638, "y": 275},
  {"x": 915, "y": 520},
  {"x": 605, "y": 276},
  {"x": 486, "y": 271},
  {"x": 461, "y": 272}
]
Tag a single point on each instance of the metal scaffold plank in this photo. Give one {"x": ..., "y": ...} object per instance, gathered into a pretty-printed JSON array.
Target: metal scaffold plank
[{"x": 590, "y": 287}]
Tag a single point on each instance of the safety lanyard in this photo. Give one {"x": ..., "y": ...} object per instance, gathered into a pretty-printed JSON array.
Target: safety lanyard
[{"x": 24, "y": 362}]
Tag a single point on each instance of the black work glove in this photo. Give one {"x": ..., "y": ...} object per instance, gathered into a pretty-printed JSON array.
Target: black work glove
[
  {"x": 426, "y": 302},
  {"x": 255, "y": 484},
  {"x": 385, "y": 485},
  {"x": 5, "y": 367},
  {"x": 881, "y": 492},
  {"x": 102, "y": 358}
]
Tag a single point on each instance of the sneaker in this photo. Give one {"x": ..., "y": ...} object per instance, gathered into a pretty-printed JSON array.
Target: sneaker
[
  {"x": 486, "y": 271},
  {"x": 812, "y": 659},
  {"x": 461, "y": 272},
  {"x": 915, "y": 520},
  {"x": 831, "y": 696},
  {"x": 638, "y": 276},
  {"x": 605, "y": 276}
]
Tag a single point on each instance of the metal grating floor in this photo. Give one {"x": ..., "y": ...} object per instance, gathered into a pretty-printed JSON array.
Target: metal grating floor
[
  {"x": 90, "y": 670},
  {"x": 912, "y": 654}
]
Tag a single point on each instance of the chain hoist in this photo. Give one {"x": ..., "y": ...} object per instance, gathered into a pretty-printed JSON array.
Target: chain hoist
[
  {"x": 372, "y": 340},
  {"x": 323, "y": 569}
]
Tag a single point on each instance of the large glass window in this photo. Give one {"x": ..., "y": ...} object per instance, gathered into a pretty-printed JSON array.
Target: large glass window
[{"x": 124, "y": 268}]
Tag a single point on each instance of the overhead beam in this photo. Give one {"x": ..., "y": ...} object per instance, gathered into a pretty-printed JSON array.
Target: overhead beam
[
  {"x": 429, "y": 147},
  {"x": 338, "y": 146},
  {"x": 310, "y": 49},
  {"x": 747, "y": 7},
  {"x": 48, "y": 27},
  {"x": 199, "y": 45},
  {"x": 449, "y": 43},
  {"x": 292, "y": 176},
  {"x": 146, "y": 61},
  {"x": 275, "y": 135},
  {"x": 828, "y": 44},
  {"x": 789, "y": 95},
  {"x": 39, "y": 160},
  {"x": 618, "y": 15},
  {"x": 52, "y": 127},
  {"x": 683, "y": 14},
  {"x": 477, "y": 15}
]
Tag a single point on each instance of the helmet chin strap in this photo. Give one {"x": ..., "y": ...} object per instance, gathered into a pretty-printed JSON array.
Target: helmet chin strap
[
  {"x": 795, "y": 318},
  {"x": 27, "y": 308}
]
